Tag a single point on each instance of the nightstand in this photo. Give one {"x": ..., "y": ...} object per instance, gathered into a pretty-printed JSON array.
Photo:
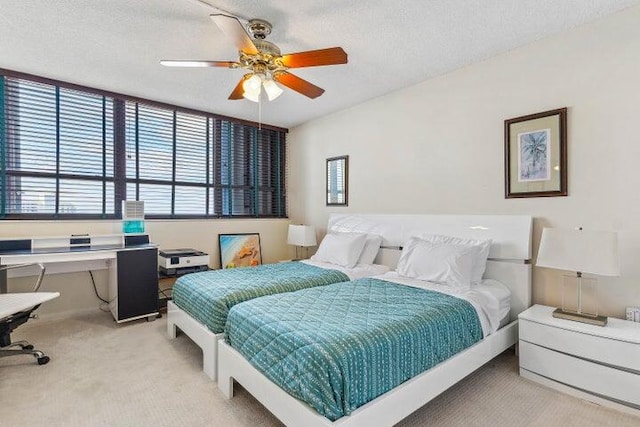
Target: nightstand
[{"x": 598, "y": 364}]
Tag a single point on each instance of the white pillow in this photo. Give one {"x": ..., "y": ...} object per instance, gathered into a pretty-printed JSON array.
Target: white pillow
[
  {"x": 480, "y": 249},
  {"x": 371, "y": 248},
  {"x": 341, "y": 249},
  {"x": 439, "y": 262}
]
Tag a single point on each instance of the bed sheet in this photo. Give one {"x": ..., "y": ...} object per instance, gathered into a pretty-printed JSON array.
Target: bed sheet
[
  {"x": 357, "y": 272},
  {"x": 490, "y": 298}
]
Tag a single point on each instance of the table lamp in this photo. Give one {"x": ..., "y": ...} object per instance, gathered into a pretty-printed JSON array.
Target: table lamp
[
  {"x": 582, "y": 251},
  {"x": 301, "y": 236}
]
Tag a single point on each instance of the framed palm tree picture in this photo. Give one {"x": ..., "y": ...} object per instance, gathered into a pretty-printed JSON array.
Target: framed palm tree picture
[{"x": 535, "y": 155}]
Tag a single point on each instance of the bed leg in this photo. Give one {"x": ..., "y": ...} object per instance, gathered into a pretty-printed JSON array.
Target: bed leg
[
  {"x": 172, "y": 314},
  {"x": 225, "y": 381},
  {"x": 171, "y": 328},
  {"x": 225, "y": 384},
  {"x": 210, "y": 360}
]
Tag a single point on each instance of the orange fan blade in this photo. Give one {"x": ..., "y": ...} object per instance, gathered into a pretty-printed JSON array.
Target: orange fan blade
[
  {"x": 315, "y": 58},
  {"x": 298, "y": 84},
  {"x": 239, "y": 90},
  {"x": 197, "y": 63},
  {"x": 232, "y": 28}
]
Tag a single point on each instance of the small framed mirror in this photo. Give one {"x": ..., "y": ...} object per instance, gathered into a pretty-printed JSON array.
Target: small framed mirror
[{"x": 338, "y": 181}]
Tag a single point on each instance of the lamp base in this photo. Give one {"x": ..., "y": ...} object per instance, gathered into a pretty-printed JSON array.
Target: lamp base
[{"x": 580, "y": 317}]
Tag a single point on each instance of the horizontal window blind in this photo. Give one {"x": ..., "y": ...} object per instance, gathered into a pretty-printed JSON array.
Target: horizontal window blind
[
  {"x": 209, "y": 166},
  {"x": 57, "y": 151},
  {"x": 235, "y": 174},
  {"x": 69, "y": 153},
  {"x": 269, "y": 166}
]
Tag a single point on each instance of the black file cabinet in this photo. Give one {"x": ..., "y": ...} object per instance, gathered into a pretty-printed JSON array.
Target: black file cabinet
[{"x": 137, "y": 285}]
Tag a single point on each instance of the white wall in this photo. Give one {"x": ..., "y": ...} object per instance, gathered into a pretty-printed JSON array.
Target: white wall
[
  {"x": 437, "y": 147},
  {"x": 76, "y": 290}
]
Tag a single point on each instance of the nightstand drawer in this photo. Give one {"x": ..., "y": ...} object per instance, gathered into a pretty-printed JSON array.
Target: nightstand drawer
[
  {"x": 581, "y": 374},
  {"x": 603, "y": 350}
]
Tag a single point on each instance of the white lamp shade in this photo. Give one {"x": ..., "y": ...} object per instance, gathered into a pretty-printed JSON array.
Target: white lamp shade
[
  {"x": 594, "y": 252},
  {"x": 252, "y": 88},
  {"x": 272, "y": 89},
  {"x": 301, "y": 235}
]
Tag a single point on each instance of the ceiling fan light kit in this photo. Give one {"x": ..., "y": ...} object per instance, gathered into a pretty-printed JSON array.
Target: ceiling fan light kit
[
  {"x": 253, "y": 85},
  {"x": 263, "y": 60}
]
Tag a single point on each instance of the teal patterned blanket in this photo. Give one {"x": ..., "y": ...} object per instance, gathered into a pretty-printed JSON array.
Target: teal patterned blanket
[
  {"x": 209, "y": 295},
  {"x": 340, "y": 346}
]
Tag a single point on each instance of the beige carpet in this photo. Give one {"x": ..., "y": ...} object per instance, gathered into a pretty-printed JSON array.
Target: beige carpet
[{"x": 104, "y": 374}]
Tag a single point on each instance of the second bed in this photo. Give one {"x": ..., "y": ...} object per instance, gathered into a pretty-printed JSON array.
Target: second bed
[{"x": 340, "y": 346}]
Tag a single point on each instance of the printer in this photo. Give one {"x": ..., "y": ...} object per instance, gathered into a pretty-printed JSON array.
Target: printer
[{"x": 176, "y": 262}]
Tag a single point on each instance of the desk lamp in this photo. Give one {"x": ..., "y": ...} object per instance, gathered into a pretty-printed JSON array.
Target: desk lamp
[
  {"x": 301, "y": 236},
  {"x": 582, "y": 251}
]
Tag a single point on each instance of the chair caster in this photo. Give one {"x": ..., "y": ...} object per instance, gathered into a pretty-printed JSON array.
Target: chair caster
[
  {"x": 27, "y": 347},
  {"x": 43, "y": 360}
]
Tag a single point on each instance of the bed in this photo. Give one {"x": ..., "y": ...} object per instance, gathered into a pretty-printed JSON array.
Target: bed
[
  {"x": 312, "y": 387},
  {"x": 201, "y": 301}
]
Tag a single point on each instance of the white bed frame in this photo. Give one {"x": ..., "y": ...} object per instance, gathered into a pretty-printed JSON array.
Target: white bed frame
[
  {"x": 510, "y": 254},
  {"x": 199, "y": 334}
]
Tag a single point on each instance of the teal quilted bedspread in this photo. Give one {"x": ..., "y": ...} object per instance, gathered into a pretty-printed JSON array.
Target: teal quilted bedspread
[
  {"x": 340, "y": 346},
  {"x": 209, "y": 295}
]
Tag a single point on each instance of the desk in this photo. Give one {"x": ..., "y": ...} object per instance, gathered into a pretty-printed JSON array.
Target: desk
[{"x": 131, "y": 261}]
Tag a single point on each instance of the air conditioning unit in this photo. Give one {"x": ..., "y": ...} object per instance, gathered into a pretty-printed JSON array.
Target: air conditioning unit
[{"x": 132, "y": 216}]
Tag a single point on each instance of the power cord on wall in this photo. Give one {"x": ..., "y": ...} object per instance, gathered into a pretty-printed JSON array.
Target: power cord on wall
[
  {"x": 163, "y": 292},
  {"x": 95, "y": 288},
  {"x": 105, "y": 303}
]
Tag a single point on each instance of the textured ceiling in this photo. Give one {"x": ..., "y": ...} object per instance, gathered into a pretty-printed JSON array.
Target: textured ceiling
[{"x": 116, "y": 45}]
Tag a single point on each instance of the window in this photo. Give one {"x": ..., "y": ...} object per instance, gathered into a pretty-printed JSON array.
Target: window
[
  {"x": 77, "y": 152},
  {"x": 338, "y": 181},
  {"x": 57, "y": 151},
  {"x": 246, "y": 162}
]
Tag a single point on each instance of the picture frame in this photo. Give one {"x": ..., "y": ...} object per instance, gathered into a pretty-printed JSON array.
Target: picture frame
[
  {"x": 337, "y": 181},
  {"x": 239, "y": 250},
  {"x": 535, "y": 155}
]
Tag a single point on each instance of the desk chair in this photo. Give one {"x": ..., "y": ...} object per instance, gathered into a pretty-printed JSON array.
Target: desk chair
[{"x": 16, "y": 309}]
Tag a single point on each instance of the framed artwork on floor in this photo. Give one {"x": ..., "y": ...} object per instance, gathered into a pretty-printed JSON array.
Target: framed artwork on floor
[
  {"x": 239, "y": 250},
  {"x": 535, "y": 155}
]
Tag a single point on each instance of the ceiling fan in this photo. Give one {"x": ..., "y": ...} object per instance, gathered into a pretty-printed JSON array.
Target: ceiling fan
[{"x": 265, "y": 63}]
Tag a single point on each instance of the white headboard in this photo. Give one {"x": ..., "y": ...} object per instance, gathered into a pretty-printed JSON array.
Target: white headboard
[
  {"x": 510, "y": 234},
  {"x": 510, "y": 248}
]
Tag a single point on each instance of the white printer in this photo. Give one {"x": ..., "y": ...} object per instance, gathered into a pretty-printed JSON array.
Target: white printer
[{"x": 182, "y": 261}]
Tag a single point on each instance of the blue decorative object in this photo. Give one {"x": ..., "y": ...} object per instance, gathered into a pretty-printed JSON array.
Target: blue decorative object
[{"x": 133, "y": 226}]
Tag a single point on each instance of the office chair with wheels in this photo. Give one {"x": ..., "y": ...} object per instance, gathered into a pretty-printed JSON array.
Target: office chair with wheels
[{"x": 16, "y": 309}]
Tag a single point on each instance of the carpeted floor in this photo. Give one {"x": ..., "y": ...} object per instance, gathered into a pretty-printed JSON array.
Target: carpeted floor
[{"x": 104, "y": 374}]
